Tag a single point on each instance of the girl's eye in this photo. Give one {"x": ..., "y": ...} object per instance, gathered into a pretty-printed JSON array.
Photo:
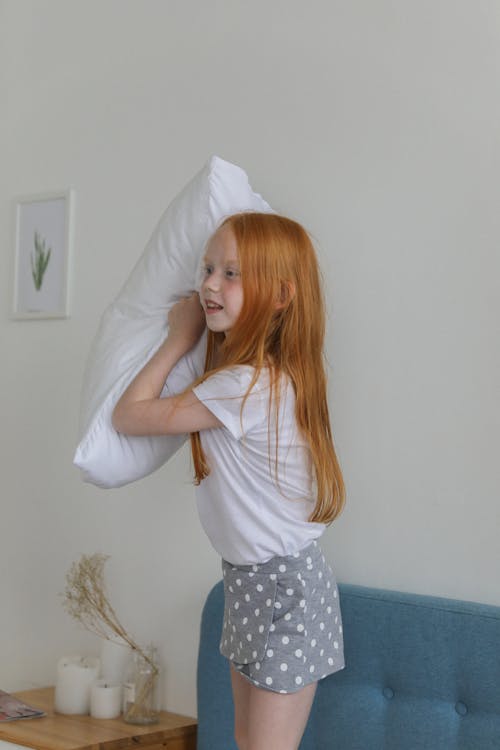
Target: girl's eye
[
  {"x": 231, "y": 273},
  {"x": 207, "y": 270}
]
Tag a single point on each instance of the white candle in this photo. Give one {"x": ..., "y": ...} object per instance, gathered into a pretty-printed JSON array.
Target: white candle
[
  {"x": 105, "y": 700},
  {"x": 75, "y": 675},
  {"x": 115, "y": 655}
]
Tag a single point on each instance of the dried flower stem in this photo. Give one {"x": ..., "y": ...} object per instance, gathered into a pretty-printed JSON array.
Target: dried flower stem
[{"x": 85, "y": 600}]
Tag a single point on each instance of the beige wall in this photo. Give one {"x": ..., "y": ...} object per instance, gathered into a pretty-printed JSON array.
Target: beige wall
[{"x": 374, "y": 123}]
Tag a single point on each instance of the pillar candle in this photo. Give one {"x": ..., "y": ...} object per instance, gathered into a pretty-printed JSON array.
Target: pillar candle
[
  {"x": 114, "y": 656},
  {"x": 105, "y": 700},
  {"x": 75, "y": 675}
]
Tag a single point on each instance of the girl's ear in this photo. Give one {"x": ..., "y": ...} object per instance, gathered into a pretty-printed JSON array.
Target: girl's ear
[{"x": 287, "y": 293}]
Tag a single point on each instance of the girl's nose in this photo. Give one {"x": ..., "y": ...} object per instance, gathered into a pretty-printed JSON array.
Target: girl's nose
[{"x": 212, "y": 283}]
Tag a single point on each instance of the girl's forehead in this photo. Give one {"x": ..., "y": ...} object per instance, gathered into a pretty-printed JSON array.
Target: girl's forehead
[{"x": 223, "y": 244}]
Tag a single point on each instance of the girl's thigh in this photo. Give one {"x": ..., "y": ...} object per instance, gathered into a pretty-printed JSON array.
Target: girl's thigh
[{"x": 265, "y": 719}]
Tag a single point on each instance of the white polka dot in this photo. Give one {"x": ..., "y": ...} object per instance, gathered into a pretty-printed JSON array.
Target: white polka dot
[
  {"x": 329, "y": 636},
  {"x": 257, "y": 665},
  {"x": 322, "y": 652},
  {"x": 261, "y": 628},
  {"x": 296, "y": 554},
  {"x": 322, "y": 600},
  {"x": 320, "y": 574},
  {"x": 300, "y": 627},
  {"x": 329, "y": 610},
  {"x": 285, "y": 640},
  {"x": 309, "y": 567},
  {"x": 330, "y": 661},
  {"x": 322, "y": 626},
  {"x": 268, "y": 602},
  {"x": 302, "y": 603},
  {"x": 298, "y": 653},
  {"x": 270, "y": 652},
  {"x": 314, "y": 615},
  {"x": 289, "y": 592},
  {"x": 231, "y": 656},
  {"x": 288, "y": 616},
  {"x": 328, "y": 584},
  {"x": 272, "y": 576},
  {"x": 257, "y": 612},
  {"x": 283, "y": 667},
  {"x": 277, "y": 605},
  {"x": 340, "y": 629},
  {"x": 255, "y": 568},
  {"x": 308, "y": 560},
  {"x": 225, "y": 642},
  {"x": 335, "y": 644},
  {"x": 234, "y": 628},
  {"x": 254, "y": 654},
  {"x": 269, "y": 680},
  {"x": 250, "y": 574},
  {"x": 236, "y": 605},
  {"x": 313, "y": 642},
  {"x": 249, "y": 636},
  {"x": 259, "y": 587},
  {"x": 336, "y": 620},
  {"x": 241, "y": 646},
  {"x": 247, "y": 597},
  {"x": 298, "y": 680},
  {"x": 282, "y": 569},
  {"x": 231, "y": 590},
  {"x": 311, "y": 668},
  {"x": 238, "y": 581},
  {"x": 272, "y": 628},
  {"x": 245, "y": 620}
]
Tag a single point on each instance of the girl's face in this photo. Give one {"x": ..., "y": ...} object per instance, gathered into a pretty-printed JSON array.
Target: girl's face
[{"x": 221, "y": 292}]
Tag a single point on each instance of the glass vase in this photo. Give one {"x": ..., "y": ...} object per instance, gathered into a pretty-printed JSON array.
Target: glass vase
[{"x": 140, "y": 689}]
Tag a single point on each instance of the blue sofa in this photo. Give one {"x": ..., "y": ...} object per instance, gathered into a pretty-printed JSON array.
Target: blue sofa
[{"x": 422, "y": 673}]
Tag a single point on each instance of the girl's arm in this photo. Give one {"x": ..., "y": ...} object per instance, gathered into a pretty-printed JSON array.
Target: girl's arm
[{"x": 140, "y": 410}]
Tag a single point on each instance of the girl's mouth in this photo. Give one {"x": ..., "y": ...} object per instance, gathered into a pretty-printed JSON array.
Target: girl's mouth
[{"x": 212, "y": 307}]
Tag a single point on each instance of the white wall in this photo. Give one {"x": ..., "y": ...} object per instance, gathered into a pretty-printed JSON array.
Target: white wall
[{"x": 376, "y": 125}]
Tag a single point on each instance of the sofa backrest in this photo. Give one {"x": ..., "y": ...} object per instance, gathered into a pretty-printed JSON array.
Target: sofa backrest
[{"x": 422, "y": 673}]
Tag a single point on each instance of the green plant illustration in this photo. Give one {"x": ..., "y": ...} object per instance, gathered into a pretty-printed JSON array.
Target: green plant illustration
[{"x": 39, "y": 261}]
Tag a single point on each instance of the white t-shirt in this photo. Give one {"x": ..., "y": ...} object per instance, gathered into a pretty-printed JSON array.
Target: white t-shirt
[{"x": 246, "y": 515}]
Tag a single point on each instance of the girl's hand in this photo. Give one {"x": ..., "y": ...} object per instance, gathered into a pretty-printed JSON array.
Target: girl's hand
[{"x": 186, "y": 322}]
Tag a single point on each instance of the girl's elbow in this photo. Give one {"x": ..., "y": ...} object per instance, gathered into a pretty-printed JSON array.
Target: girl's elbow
[{"x": 117, "y": 419}]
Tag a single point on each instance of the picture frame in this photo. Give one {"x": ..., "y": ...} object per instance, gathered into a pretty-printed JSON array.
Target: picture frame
[{"x": 42, "y": 243}]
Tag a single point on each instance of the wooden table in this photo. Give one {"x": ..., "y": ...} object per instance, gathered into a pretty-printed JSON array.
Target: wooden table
[{"x": 61, "y": 732}]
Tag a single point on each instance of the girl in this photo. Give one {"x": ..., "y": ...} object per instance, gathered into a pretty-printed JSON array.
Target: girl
[{"x": 265, "y": 465}]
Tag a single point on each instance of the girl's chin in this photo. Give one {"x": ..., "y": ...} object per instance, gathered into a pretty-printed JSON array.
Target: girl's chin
[{"x": 216, "y": 328}]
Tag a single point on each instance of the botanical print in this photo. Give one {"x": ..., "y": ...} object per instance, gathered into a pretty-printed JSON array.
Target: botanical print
[
  {"x": 42, "y": 247},
  {"x": 40, "y": 262}
]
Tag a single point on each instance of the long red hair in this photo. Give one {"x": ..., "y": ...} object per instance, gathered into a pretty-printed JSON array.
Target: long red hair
[{"x": 281, "y": 326}]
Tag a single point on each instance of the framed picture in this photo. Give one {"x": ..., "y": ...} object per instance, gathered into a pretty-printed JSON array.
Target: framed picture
[{"x": 43, "y": 240}]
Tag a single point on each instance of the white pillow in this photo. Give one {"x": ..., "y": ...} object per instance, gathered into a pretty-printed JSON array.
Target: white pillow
[{"x": 135, "y": 324}]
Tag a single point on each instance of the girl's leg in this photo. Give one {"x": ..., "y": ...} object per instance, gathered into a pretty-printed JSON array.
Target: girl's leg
[
  {"x": 264, "y": 719},
  {"x": 241, "y": 700}
]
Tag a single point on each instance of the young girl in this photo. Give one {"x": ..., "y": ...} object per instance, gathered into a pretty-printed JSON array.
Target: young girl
[{"x": 267, "y": 474}]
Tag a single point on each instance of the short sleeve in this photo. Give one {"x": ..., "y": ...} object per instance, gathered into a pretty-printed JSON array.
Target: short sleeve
[
  {"x": 187, "y": 370},
  {"x": 223, "y": 394}
]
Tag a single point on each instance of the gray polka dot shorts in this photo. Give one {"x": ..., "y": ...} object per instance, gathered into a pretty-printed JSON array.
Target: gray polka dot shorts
[{"x": 282, "y": 623}]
